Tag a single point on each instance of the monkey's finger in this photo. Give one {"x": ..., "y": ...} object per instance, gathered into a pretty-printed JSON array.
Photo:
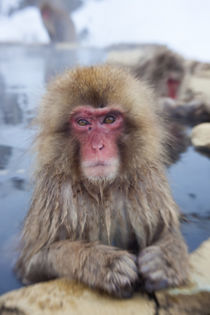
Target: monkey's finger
[
  {"x": 150, "y": 267},
  {"x": 125, "y": 292},
  {"x": 123, "y": 280},
  {"x": 126, "y": 276},
  {"x": 133, "y": 257},
  {"x": 149, "y": 250},
  {"x": 154, "y": 286},
  {"x": 119, "y": 286},
  {"x": 126, "y": 263},
  {"x": 157, "y": 275},
  {"x": 144, "y": 260},
  {"x": 124, "y": 271}
]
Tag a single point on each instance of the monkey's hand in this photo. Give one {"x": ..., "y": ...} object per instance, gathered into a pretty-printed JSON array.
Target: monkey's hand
[
  {"x": 99, "y": 266},
  {"x": 155, "y": 269},
  {"x": 120, "y": 275},
  {"x": 116, "y": 274}
]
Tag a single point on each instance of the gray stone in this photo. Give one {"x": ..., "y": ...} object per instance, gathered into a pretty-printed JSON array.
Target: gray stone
[{"x": 200, "y": 136}]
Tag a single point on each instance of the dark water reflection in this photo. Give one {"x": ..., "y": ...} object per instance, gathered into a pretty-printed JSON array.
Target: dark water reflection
[
  {"x": 23, "y": 74},
  {"x": 190, "y": 183}
]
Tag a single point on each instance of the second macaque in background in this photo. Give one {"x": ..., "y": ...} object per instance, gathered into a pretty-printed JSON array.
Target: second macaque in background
[
  {"x": 58, "y": 22},
  {"x": 166, "y": 73},
  {"x": 164, "y": 70}
]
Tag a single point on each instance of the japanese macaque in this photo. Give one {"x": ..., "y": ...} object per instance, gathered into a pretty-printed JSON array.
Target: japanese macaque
[
  {"x": 102, "y": 212},
  {"x": 58, "y": 22},
  {"x": 164, "y": 70}
]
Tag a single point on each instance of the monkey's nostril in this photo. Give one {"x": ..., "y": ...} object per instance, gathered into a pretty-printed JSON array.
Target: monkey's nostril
[{"x": 97, "y": 146}]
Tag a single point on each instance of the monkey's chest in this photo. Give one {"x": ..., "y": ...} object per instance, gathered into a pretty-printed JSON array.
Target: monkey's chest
[{"x": 111, "y": 225}]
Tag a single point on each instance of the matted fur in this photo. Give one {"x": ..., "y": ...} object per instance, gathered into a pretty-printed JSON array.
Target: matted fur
[{"x": 134, "y": 208}]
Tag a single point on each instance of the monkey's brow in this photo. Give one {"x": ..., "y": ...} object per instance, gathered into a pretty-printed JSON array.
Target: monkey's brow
[
  {"x": 114, "y": 112},
  {"x": 95, "y": 111}
]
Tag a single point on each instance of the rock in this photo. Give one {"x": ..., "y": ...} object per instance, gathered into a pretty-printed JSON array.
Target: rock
[
  {"x": 195, "y": 297},
  {"x": 200, "y": 136},
  {"x": 197, "y": 81},
  {"x": 62, "y": 297},
  {"x": 5, "y": 155},
  {"x": 125, "y": 57},
  {"x": 12, "y": 111}
]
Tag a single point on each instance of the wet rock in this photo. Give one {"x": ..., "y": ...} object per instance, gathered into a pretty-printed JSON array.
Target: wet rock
[
  {"x": 128, "y": 55},
  {"x": 62, "y": 297},
  {"x": 12, "y": 113},
  {"x": 195, "y": 297},
  {"x": 5, "y": 154},
  {"x": 197, "y": 82},
  {"x": 200, "y": 137},
  {"x": 19, "y": 183}
]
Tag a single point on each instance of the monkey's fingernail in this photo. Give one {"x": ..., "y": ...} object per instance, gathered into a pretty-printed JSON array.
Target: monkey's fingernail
[
  {"x": 146, "y": 268},
  {"x": 149, "y": 286},
  {"x": 159, "y": 274},
  {"x": 154, "y": 286},
  {"x": 147, "y": 258}
]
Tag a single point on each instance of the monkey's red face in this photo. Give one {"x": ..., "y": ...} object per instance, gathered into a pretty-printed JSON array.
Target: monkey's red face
[
  {"x": 97, "y": 131},
  {"x": 173, "y": 87}
]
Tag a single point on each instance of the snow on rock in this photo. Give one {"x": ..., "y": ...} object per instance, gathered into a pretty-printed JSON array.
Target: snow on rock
[{"x": 63, "y": 296}]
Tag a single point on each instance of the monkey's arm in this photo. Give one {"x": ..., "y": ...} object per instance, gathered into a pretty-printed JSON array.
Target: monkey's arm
[
  {"x": 165, "y": 263},
  {"x": 99, "y": 266}
]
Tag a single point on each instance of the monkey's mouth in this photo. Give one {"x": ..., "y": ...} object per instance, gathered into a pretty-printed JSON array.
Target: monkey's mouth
[
  {"x": 100, "y": 169},
  {"x": 96, "y": 164}
]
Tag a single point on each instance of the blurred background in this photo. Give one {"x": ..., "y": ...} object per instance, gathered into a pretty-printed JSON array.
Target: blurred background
[
  {"x": 163, "y": 42},
  {"x": 182, "y": 24}
]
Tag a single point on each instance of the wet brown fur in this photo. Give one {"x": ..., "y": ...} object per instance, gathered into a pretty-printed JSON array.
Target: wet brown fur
[{"x": 94, "y": 233}]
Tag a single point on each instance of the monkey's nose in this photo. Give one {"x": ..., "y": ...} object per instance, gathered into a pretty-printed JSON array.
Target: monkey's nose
[{"x": 98, "y": 146}]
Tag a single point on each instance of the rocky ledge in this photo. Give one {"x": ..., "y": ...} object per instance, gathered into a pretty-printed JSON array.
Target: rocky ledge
[
  {"x": 200, "y": 137},
  {"x": 67, "y": 297}
]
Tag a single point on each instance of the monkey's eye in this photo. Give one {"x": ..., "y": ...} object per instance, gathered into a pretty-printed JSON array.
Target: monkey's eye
[
  {"x": 83, "y": 122},
  {"x": 109, "y": 119}
]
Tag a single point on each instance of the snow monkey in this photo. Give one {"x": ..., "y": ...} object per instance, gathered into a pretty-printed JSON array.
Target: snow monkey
[{"x": 102, "y": 211}]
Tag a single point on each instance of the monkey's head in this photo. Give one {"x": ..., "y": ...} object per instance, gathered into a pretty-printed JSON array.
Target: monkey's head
[
  {"x": 97, "y": 131},
  {"x": 98, "y": 124}
]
